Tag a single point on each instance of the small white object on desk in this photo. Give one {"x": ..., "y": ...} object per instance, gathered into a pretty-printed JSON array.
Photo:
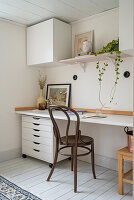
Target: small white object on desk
[{"x": 93, "y": 116}]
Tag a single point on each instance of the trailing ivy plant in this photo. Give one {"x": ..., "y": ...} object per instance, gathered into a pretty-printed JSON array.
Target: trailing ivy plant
[{"x": 109, "y": 48}]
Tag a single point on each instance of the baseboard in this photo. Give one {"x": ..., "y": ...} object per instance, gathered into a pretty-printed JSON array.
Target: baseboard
[
  {"x": 11, "y": 154},
  {"x": 103, "y": 161}
]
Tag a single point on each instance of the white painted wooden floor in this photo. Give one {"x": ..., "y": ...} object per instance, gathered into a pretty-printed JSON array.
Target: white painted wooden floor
[{"x": 31, "y": 175}]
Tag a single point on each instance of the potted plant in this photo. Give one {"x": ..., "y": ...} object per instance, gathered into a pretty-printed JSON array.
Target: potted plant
[
  {"x": 111, "y": 47},
  {"x": 42, "y": 82}
]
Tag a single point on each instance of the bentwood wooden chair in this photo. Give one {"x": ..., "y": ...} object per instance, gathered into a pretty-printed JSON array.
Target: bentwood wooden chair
[{"x": 71, "y": 141}]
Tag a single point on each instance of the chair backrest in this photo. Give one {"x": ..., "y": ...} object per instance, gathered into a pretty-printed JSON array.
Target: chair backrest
[{"x": 65, "y": 110}]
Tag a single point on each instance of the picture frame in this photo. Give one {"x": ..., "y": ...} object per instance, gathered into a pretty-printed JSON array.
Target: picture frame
[
  {"x": 83, "y": 44},
  {"x": 59, "y": 94}
]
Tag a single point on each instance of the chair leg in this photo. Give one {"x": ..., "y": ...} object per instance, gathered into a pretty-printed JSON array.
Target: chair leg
[
  {"x": 120, "y": 174},
  {"x": 132, "y": 170},
  {"x": 55, "y": 160},
  {"x": 71, "y": 158},
  {"x": 75, "y": 169},
  {"x": 92, "y": 160}
]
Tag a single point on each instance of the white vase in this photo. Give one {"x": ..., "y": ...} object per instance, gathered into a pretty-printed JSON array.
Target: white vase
[{"x": 87, "y": 46}]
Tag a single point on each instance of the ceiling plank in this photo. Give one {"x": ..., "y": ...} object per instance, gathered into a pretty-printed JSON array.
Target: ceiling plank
[
  {"x": 28, "y": 7},
  {"x": 7, "y": 16},
  {"x": 106, "y": 4},
  {"x": 84, "y": 6},
  {"x": 18, "y": 12},
  {"x": 61, "y": 9}
]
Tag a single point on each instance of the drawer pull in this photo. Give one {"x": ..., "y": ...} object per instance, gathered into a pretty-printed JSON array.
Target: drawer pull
[
  {"x": 36, "y": 142},
  {"x": 36, "y": 124},
  {"x": 36, "y": 135},
  {"x": 36, "y": 130},
  {"x": 36, "y": 150},
  {"x": 36, "y": 118}
]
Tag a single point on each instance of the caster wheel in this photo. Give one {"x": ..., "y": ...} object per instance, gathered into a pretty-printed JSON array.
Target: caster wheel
[
  {"x": 69, "y": 158},
  {"x": 50, "y": 165},
  {"x": 24, "y": 156}
]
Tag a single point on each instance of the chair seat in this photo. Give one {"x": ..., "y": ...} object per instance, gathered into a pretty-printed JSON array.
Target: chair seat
[{"x": 83, "y": 141}]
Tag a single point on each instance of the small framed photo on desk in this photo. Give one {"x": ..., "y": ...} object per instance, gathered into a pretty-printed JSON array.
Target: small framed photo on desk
[{"x": 59, "y": 94}]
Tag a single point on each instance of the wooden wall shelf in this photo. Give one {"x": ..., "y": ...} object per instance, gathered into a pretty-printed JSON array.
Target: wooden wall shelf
[{"x": 83, "y": 60}]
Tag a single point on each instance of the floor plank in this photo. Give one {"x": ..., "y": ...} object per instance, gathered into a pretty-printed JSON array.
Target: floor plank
[
  {"x": 31, "y": 174},
  {"x": 128, "y": 196}
]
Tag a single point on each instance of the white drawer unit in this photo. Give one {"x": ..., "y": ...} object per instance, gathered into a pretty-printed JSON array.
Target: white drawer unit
[{"x": 38, "y": 139}]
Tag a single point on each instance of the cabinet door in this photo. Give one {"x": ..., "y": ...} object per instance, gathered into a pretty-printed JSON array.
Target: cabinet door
[
  {"x": 126, "y": 25},
  {"x": 40, "y": 43},
  {"x": 62, "y": 40}
]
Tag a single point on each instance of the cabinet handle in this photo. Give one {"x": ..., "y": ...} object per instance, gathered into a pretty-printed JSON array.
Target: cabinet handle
[
  {"x": 36, "y": 118},
  {"x": 36, "y": 124},
  {"x": 36, "y": 150},
  {"x": 36, "y": 142},
  {"x": 36, "y": 135},
  {"x": 36, "y": 129}
]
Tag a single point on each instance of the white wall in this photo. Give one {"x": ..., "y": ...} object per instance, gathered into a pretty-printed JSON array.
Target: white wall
[
  {"x": 18, "y": 87},
  {"x": 85, "y": 89}
]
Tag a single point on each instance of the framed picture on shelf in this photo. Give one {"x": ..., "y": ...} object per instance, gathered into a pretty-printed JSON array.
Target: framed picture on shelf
[
  {"x": 83, "y": 44},
  {"x": 59, "y": 94}
]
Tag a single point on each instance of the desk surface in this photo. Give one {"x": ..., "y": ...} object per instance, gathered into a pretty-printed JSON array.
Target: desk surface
[{"x": 116, "y": 120}]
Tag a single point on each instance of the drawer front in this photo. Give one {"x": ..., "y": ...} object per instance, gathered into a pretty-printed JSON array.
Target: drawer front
[
  {"x": 39, "y": 120},
  {"x": 36, "y": 153},
  {"x": 30, "y": 132},
  {"x": 37, "y": 126},
  {"x": 38, "y": 139},
  {"x": 36, "y": 146}
]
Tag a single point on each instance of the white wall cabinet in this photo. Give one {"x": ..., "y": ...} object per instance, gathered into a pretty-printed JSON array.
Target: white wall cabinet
[
  {"x": 48, "y": 42},
  {"x": 126, "y": 25},
  {"x": 38, "y": 140}
]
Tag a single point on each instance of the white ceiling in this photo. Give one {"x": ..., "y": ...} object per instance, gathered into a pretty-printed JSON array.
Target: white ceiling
[{"x": 29, "y": 12}]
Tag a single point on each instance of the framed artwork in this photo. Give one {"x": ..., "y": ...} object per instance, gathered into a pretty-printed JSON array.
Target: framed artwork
[
  {"x": 59, "y": 94},
  {"x": 83, "y": 43}
]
